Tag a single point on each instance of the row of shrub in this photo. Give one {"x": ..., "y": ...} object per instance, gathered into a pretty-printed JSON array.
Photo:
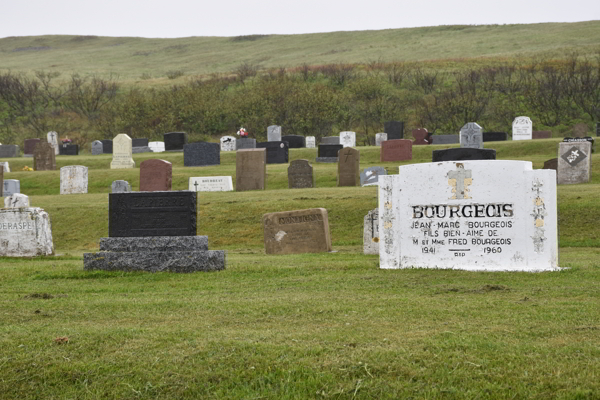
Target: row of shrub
[{"x": 307, "y": 100}]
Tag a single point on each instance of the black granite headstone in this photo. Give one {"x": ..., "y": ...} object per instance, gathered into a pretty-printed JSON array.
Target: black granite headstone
[
  {"x": 201, "y": 153},
  {"x": 295, "y": 141},
  {"x": 107, "y": 146},
  {"x": 277, "y": 152},
  {"x": 394, "y": 129},
  {"x": 139, "y": 214},
  {"x": 463, "y": 154},
  {"x": 175, "y": 141},
  {"x": 582, "y": 139},
  {"x": 9, "y": 150},
  {"x": 329, "y": 150},
  {"x": 495, "y": 136},
  {"x": 139, "y": 142},
  {"x": 68, "y": 149}
]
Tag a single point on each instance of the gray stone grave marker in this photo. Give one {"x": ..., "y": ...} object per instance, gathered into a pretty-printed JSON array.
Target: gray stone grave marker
[
  {"x": 471, "y": 135},
  {"x": 300, "y": 175},
  {"x": 73, "y": 179},
  {"x": 371, "y": 232}
]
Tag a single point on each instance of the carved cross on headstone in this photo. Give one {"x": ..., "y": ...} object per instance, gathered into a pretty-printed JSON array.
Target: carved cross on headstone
[
  {"x": 196, "y": 185},
  {"x": 52, "y": 135},
  {"x": 348, "y": 154},
  {"x": 373, "y": 219},
  {"x": 462, "y": 180}
]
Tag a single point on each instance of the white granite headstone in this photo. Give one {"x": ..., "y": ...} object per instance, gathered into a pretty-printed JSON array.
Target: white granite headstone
[
  {"x": 274, "y": 133},
  {"x": 311, "y": 142},
  {"x": 228, "y": 143},
  {"x": 5, "y": 165},
  {"x": 471, "y": 136},
  {"x": 491, "y": 215},
  {"x": 157, "y": 147},
  {"x": 522, "y": 128},
  {"x": 11, "y": 186},
  {"x": 371, "y": 232},
  {"x": 16, "y": 200},
  {"x": 53, "y": 140},
  {"x": 574, "y": 162},
  {"x": 348, "y": 139},
  {"x": 211, "y": 184},
  {"x": 25, "y": 232},
  {"x": 122, "y": 152},
  {"x": 73, "y": 179},
  {"x": 380, "y": 137}
]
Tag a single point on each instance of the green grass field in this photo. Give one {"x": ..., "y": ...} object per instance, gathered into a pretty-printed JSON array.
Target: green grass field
[
  {"x": 330, "y": 326},
  {"x": 148, "y": 61}
]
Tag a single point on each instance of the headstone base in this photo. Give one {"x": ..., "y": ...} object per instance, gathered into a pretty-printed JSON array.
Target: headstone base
[
  {"x": 141, "y": 149},
  {"x": 327, "y": 159}
]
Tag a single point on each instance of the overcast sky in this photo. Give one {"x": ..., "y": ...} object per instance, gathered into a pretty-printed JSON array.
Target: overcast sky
[{"x": 181, "y": 18}]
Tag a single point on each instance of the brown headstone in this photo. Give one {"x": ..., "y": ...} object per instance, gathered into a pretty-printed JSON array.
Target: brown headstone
[
  {"x": 251, "y": 169},
  {"x": 293, "y": 232},
  {"x": 300, "y": 175},
  {"x": 155, "y": 175},
  {"x": 44, "y": 157},
  {"x": 551, "y": 164},
  {"x": 580, "y": 130},
  {"x": 348, "y": 167},
  {"x": 396, "y": 150},
  {"x": 30, "y": 145},
  {"x": 421, "y": 136},
  {"x": 541, "y": 134}
]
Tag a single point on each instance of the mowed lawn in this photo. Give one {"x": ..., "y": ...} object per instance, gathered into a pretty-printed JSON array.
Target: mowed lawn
[{"x": 295, "y": 326}]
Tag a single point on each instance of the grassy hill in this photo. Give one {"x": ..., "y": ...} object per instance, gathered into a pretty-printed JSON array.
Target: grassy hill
[{"x": 133, "y": 58}]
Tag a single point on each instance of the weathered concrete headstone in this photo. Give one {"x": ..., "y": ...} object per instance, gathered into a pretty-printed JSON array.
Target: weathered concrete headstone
[
  {"x": 396, "y": 150},
  {"x": 11, "y": 186},
  {"x": 574, "y": 162},
  {"x": 330, "y": 140},
  {"x": 25, "y": 232},
  {"x": 541, "y": 134},
  {"x": 277, "y": 152},
  {"x": 107, "y": 146},
  {"x": 97, "y": 148},
  {"x": 44, "y": 158},
  {"x": 210, "y": 184},
  {"x": 141, "y": 149},
  {"x": 580, "y": 130},
  {"x": 421, "y": 136},
  {"x": 471, "y": 215},
  {"x": 294, "y": 141},
  {"x": 371, "y": 232},
  {"x": 463, "y": 154},
  {"x": 73, "y": 179},
  {"x": 311, "y": 142},
  {"x": 68, "y": 149},
  {"x": 370, "y": 176},
  {"x": 139, "y": 142},
  {"x": 155, "y": 175},
  {"x": 120, "y": 187},
  {"x": 30, "y": 146},
  {"x": 5, "y": 165},
  {"x": 228, "y": 143},
  {"x": 328, "y": 153},
  {"x": 494, "y": 136},
  {"x": 9, "y": 150},
  {"x": 201, "y": 154},
  {"x": 157, "y": 147},
  {"x": 348, "y": 167},
  {"x": 250, "y": 169},
  {"x": 348, "y": 138},
  {"x": 445, "y": 139},
  {"x": 522, "y": 128},
  {"x": 274, "y": 133},
  {"x": 121, "y": 151},
  {"x": 53, "y": 140},
  {"x": 245, "y": 143},
  {"x": 16, "y": 200},
  {"x": 174, "y": 141},
  {"x": 394, "y": 130},
  {"x": 295, "y": 232},
  {"x": 551, "y": 164},
  {"x": 380, "y": 137},
  {"x": 300, "y": 175},
  {"x": 471, "y": 135}
]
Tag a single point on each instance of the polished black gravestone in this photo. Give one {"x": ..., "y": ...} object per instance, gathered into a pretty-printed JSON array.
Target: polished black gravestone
[
  {"x": 201, "y": 153},
  {"x": 68, "y": 149},
  {"x": 139, "y": 142},
  {"x": 495, "y": 136},
  {"x": 294, "y": 141},
  {"x": 463, "y": 154},
  {"x": 328, "y": 153},
  {"x": 394, "y": 129},
  {"x": 277, "y": 152},
  {"x": 138, "y": 214},
  {"x": 174, "y": 141},
  {"x": 107, "y": 146}
]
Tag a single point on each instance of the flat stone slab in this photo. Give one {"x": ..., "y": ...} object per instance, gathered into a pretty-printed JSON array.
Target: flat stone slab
[
  {"x": 156, "y": 261},
  {"x": 154, "y": 243}
]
